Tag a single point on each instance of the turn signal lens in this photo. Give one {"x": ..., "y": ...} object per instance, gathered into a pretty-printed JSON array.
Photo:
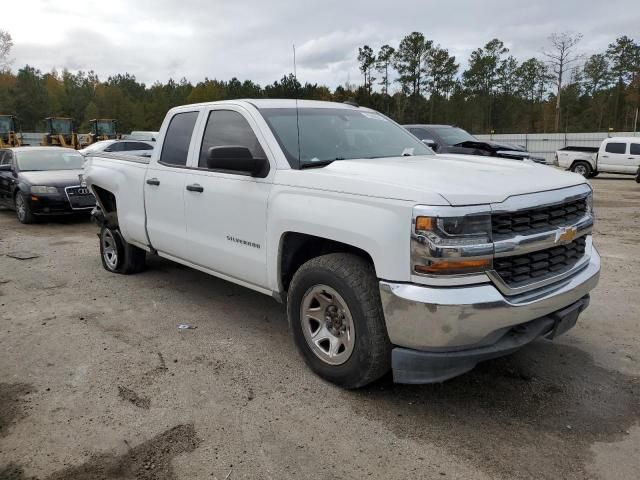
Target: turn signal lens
[
  {"x": 454, "y": 266},
  {"x": 424, "y": 224}
]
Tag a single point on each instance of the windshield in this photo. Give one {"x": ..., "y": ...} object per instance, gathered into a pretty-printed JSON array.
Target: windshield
[
  {"x": 61, "y": 126},
  {"x": 105, "y": 127},
  {"x": 454, "y": 135},
  {"x": 328, "y": 134},
  {"x": 37, "y": 160},
  {"x": 5, "y": 125}
]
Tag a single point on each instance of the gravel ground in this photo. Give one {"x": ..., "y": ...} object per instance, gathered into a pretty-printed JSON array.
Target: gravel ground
[{"x": 97, "y": 382}]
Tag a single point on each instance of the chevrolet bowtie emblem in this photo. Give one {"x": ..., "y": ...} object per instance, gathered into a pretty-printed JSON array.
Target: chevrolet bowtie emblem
[{"x": 566, "y": 235}]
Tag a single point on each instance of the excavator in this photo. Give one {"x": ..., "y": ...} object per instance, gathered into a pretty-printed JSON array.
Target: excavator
[
  {"x": 60, "y": 133},
  {"x": 9, "y": 128}
]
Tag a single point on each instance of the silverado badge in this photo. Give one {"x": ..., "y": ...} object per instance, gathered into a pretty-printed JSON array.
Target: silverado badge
[{"x": 566, "y": 235}]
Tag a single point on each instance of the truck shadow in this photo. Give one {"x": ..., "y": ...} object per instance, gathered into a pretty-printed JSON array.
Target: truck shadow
[{"x": 546, "y": 404}]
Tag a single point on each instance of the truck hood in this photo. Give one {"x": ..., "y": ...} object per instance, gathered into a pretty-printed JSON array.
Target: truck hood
[{"x": 458, "y": 180}]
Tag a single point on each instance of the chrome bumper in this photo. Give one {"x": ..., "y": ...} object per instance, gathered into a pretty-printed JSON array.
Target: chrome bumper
[{"x": 457, "y": 318}]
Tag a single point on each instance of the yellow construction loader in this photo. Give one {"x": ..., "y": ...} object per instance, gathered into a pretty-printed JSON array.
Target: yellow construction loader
[
  {"x": 59, "y": 133},
  {"x": 9, "y": 128},
  {"x": 101, "y": 129}
]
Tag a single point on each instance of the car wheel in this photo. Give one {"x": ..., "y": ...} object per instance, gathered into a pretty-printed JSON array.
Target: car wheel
[
  {"x": 334, "y": 309},
  {"x": 117, "y": 255},
  {"x": 23, "y": 209},
  {"x": 582, "y": 168}
]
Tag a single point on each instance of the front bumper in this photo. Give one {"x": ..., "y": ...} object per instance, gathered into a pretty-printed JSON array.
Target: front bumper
[
  {"x": 49, "y": 204},
  {"x": 456, "y": 319}
]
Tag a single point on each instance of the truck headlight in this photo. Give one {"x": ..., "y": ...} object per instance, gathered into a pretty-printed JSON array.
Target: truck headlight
[
  {"x": 590, "y": 205},
  {"x": 42, "y": 189},
  {"x": 451, "y": 245}
]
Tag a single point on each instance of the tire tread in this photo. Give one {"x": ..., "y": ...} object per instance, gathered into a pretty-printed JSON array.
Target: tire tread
[{"x": 359, "y": 275}]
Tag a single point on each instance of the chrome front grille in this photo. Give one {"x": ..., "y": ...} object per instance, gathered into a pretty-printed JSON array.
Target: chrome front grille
[
  {"x": 533, "y": 220},
  {"x": 520, "y": 270},
  {"x": 540, "y": 238},
  {"x": 80, "y": 197}
]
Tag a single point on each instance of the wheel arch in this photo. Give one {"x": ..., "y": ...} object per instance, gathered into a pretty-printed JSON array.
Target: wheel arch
[
  {"x": 297, "y": 248},
  {"x": 106, "y": 200}
]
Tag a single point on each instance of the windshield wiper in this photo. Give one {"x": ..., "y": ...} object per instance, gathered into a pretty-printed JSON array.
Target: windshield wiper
[{"x": 320, "y": 163}]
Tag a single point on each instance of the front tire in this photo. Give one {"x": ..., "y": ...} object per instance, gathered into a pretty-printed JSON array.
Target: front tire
[
  {"x": 23, "y": 209},
  {"x": 582, "y": 168},
  {"x": 334, "y": 309},
  {"x": 117, "y": 255}
]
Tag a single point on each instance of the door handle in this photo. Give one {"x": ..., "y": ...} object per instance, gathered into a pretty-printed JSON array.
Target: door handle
[
  {"x": 630, "y": 158},
  {"x": 605, "y": 156},
  {"x": 195, "y": 188},
  {"x": 153, "y": 181}
]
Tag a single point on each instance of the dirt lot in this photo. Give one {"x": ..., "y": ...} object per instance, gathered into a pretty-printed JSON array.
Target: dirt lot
[{"x": 97, "y": 382}]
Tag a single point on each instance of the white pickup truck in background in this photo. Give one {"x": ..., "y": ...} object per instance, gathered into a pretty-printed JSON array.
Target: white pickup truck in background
[
  {"x": 386, "y": 255},
  {"x": 615, "y": 155}
]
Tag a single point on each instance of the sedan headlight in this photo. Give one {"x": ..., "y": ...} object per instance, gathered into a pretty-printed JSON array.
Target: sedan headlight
[
  {"x": 451, "y": 245},
  {"x": 42, "y": 189}
]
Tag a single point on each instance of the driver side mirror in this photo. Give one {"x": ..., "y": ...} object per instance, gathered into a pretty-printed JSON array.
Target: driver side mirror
[
  {"x": 238, "y": 160},
  {"x": 430, "y": 143}
]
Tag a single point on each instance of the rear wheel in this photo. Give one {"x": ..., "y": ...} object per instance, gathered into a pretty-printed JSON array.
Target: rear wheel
[
  {"x": 117, "y": 255},
  {"x": 23, "y": 209},
  {"x": 336, "y": 318},
  {"x": 582, "y": 168}
]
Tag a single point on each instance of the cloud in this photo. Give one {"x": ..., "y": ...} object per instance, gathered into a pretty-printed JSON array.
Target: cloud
[{"x": 252, "y": 39}]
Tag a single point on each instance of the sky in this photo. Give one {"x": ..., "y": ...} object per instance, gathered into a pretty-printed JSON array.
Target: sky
[{"x": 252, "y": 39}]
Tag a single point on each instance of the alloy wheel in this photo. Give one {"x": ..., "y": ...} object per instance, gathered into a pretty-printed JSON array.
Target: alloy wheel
[
  {"x": 327, "y": 325},
  {"x": 109, "y": 249}
]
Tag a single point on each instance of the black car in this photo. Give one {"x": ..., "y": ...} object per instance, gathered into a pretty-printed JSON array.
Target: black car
[
  {"x": 43, "y": 181},
  {"x": 450, "y": 139}
]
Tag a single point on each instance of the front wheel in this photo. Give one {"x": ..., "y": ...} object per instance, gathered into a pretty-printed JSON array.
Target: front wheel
[
  {"x": 117, "y": 255},
  {"x": 336, "y": 317},
  {"x": 23, "y": 209}
]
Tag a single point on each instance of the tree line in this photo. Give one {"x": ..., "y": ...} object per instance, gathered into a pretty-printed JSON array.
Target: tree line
[{"x": 416, "y": 81}]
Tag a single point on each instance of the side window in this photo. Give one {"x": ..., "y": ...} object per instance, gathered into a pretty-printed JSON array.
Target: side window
[
  {"x": 616, "y": 147},
  {"x": 635, "y": 149},
  {"x": 115, "y": 147},
  {"x": 175, "y": 148},
  {"x": 139, "y": 146},
  {"x": 228, "y": 128},
  {"x": 421, "y": 133}
]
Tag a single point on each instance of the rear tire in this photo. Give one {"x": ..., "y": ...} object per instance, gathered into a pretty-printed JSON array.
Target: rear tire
[
  {"x": 335, "y": 300},
  {"x": 117, "y": 255},
  {"x": 581, "y": 168},
  {"x": 23, "y": 209}
]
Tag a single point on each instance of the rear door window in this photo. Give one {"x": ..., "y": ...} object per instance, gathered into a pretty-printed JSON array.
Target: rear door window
[
  {"x": 635, "y": 149},
  {"x": 616, "y": 147},
  {"x": 175, "y": 147}
]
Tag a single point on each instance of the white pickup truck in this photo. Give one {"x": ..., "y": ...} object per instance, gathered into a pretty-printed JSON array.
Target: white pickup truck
[
  {"x": 615, "y": 155},
  {"x": 386, "y": 255}
]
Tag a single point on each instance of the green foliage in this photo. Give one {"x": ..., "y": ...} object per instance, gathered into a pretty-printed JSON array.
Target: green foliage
[{"x": 417, "y": 81}]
